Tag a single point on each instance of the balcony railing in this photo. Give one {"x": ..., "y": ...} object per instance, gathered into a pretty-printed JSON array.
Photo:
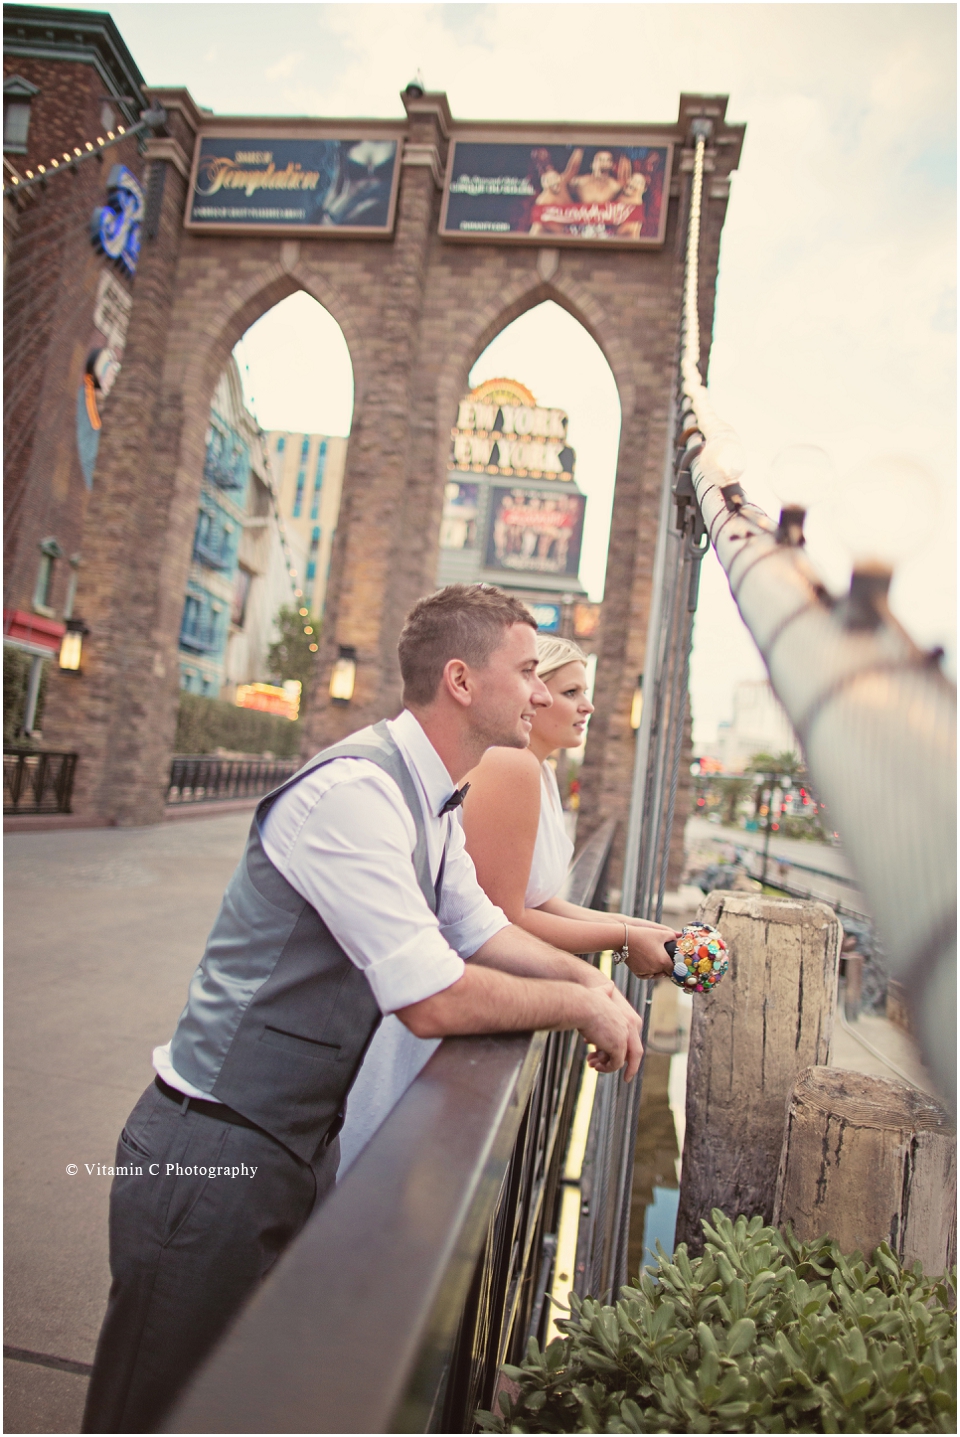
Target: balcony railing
[
  {"x": 37, "y": 782},
  {"x": 224, "y": 475},
  {"x": 428, "y": 1266},
  {"x": 203, "y": 779},
  {"x": 201, "y": 638},
  {"x": 214, "y": 556}
]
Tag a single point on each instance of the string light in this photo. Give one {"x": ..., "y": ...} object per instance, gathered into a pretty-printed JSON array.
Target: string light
[{"x": 90, "y": 147}]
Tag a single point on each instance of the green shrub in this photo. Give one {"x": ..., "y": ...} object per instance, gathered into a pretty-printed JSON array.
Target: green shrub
[
  {"x": 16, "y": 672},
  {"x": 204, "y": 725},
  {"x": 761, "y": 1334}
]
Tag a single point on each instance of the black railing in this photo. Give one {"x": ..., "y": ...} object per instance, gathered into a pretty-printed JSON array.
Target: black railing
[
  {"x": 427, "y": 1268},
  {"x": 37, "y": 782},
  {"x": 225, "y": 475},
  {"x": 213, "y": 556},
  {"x": 200, "y": 778},
  {"x": 201, "y": 638}
]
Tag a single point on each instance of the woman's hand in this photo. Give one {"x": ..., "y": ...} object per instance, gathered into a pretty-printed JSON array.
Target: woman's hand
[{"x": 648, "y": 957}]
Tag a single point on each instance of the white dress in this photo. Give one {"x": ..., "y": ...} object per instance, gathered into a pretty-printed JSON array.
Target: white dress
[
  {"x": 553, "y": 849},
  {"x": 395, "y": 1056}
]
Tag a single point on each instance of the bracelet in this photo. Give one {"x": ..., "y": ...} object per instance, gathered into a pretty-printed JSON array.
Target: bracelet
[{"x": 621, "y": 955}]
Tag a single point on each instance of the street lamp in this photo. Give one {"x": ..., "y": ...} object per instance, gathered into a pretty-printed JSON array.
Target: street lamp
[
  {"x": 71, "y": 645},
  {"x": 636, "y": 707},
  {"x": 343, "y": 675}
]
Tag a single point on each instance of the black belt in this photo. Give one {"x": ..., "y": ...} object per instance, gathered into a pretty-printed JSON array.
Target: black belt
[{"x": 219, "y": 1111}]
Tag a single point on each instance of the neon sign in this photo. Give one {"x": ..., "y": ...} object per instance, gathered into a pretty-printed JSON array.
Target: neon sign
[{"x": 115, "y": 226}]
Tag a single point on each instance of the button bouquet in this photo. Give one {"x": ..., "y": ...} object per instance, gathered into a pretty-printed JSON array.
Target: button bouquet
[{"x": 699, "y": 958}]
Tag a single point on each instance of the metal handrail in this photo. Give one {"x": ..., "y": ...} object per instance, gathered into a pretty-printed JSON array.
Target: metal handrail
[
  {"x": 395, "y": 1307},
  {"x": 37, "y": 781},
  {"x": 204, "y": 778}
]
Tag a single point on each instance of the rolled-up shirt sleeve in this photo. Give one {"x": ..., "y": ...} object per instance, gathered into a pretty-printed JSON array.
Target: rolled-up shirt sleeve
[
  {"x": 467, "y": 916},
  {"x": 351, "y": 860}
]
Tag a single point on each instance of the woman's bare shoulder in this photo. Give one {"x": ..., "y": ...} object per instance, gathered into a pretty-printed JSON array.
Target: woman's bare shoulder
[{"x": 511, "y": 766}]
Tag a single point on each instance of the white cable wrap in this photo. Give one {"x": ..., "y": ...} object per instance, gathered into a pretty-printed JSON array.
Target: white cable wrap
[{"x": 875, "y": 716}]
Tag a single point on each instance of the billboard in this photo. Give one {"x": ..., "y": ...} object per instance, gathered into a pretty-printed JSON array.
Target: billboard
[
  {"x": 557, "y": 193},
  {"x": 458, "y": 527},
  {"x": 318, "y": 185},
  {"x": 535, "y": 531}
]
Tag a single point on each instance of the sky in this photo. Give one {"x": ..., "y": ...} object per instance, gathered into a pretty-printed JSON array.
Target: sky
[{"x": 836, "y": 307}]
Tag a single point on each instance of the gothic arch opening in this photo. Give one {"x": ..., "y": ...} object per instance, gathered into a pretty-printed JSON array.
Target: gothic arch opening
[
  {"x": 273, "y": 464},
  {"x": 553, "y": 357}
]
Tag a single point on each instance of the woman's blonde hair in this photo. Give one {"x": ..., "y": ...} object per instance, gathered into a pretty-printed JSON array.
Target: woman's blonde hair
[{"x": 553, "y": 653}]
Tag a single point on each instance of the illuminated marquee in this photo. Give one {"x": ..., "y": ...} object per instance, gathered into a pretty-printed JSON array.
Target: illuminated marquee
[
  {"x": 115, "y": 226},
  {"x": 501, "y": 429}
]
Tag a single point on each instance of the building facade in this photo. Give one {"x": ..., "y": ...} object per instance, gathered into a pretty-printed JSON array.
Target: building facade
[
  {"x": 759, "y": 725},
  {"x": 71, "y": 93},
  {"x": 307, "y": 472},
  {"x": 386, "y": 241}
]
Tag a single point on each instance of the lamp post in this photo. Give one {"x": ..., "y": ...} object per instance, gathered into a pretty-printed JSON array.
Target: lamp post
[
  {"x": 71, "y": 645},
  {"x": 343, "y": 676}
]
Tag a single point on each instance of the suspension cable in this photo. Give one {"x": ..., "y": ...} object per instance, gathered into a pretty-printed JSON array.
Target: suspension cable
[{"x": 874, "y": 714}]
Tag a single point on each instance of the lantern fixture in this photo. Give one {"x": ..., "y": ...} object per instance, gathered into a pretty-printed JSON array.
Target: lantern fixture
[
  {"x": 344, "y": 675},
  {"x": 71, "y": 645},
  {"x": 636, "y": 708}
]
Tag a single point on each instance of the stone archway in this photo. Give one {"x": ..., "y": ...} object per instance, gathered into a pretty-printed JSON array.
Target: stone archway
[{"x": 416, "y": 309}]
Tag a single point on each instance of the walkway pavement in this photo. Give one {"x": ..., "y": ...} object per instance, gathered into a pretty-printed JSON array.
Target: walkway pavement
[{"x": 103, "y": 929}]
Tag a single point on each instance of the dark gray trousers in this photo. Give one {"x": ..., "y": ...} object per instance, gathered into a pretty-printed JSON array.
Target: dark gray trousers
[{"x": 187, "y": 1249}]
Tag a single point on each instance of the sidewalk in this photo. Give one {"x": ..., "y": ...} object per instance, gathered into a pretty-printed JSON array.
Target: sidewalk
[{"x": 103, "y": 930}]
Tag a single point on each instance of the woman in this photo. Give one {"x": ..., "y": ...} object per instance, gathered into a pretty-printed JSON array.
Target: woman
[{"x": 515, "y": 832}]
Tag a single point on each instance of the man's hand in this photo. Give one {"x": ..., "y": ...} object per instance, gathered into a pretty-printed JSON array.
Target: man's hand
[
  {"x": 648, "y": 957},
  {"x": 614, "y": 1030}
]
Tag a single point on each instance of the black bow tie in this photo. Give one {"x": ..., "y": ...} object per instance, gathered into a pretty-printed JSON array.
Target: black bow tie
[{"x": 454, "y": 801}]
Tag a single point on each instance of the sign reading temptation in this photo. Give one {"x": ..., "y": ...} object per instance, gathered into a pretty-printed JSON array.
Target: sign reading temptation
[{"x": 318, "y": 185}]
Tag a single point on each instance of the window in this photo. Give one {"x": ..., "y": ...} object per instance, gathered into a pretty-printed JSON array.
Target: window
[
  {"x": 318, "y": 481},
  {"x": 298, "y": 501},
  {"x": 50, "y": 552},
  {"x": 281, "y": 444},
  {"x": 18, "y": 94},
  {"x": 311, "y": 569}
]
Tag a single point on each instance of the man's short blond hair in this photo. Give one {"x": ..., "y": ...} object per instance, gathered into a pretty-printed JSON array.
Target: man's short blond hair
[{"x": 462, "y": 621}]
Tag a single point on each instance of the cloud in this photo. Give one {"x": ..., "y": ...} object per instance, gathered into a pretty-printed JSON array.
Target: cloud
[{"x": 282, "y": 69}]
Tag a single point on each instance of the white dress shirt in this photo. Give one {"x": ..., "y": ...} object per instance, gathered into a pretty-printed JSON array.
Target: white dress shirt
[{"x": 343, "y": 837}]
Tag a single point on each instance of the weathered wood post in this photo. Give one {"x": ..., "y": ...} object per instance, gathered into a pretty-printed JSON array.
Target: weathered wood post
[
  {"x": 868, "y": 1160},
  {"x": 750, "y": 1039}
]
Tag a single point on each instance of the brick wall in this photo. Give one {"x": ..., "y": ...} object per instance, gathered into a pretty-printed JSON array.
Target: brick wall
[
  {"x": 50, "y": 291},
  {"x": 416, "y": 313}
]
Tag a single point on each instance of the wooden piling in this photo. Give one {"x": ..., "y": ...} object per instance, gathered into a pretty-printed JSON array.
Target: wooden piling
[
  {"x": 868, "y": 1160},
  {"x": 769, "y": 1019}
]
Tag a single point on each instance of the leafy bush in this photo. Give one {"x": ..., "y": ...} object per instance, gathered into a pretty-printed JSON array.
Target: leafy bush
[
  {"x": 761, "y": 1334},
  {"x": 204, "y": 725},
  {"x": 16, "y": 672}
]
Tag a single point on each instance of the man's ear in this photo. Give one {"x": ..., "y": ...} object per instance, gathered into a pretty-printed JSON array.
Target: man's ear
[{"x": 456, "y": 682}]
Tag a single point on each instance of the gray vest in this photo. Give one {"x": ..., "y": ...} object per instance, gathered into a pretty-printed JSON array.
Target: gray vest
[{"x": 278, "y": 1018}]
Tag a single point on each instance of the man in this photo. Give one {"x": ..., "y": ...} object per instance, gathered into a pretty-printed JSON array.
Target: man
[
  {"x": 603, "y": 183},
  {"x": 354, "y": 898}
]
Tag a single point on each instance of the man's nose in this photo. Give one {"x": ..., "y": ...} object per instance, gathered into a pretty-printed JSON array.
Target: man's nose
[{"x": 541, "y": 695}]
